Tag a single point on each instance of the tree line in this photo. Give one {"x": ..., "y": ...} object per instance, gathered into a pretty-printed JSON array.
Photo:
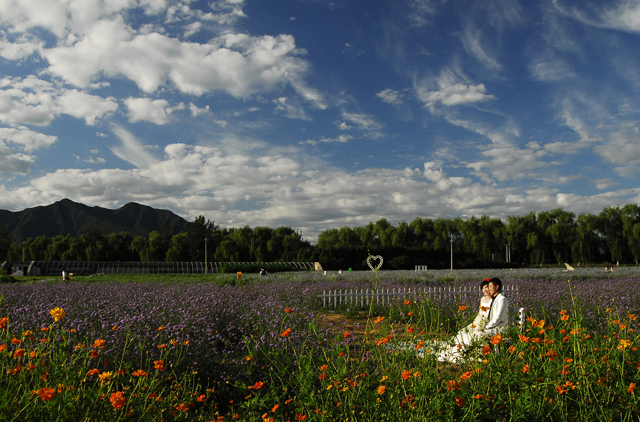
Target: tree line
[{"x": 547, "y": 237}]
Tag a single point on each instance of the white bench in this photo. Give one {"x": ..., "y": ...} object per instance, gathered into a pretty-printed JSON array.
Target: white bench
[{"x": 517, "y": 316}]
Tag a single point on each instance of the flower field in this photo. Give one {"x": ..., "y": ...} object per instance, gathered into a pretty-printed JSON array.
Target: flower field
[{"x": 205, "y": 348}]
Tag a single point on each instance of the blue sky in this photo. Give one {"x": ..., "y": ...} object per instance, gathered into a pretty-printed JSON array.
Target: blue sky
[{"x": 317, "y": 114}]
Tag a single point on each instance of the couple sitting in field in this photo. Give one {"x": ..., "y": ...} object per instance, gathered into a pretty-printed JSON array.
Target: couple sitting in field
[{"x": 492, "y": 318}]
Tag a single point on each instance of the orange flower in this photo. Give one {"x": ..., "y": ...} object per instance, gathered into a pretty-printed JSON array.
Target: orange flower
[
  {"x": 201, "y": 398},
  {"x": 57, "y": 314},
  {"x": 411, "y": 330},
  {"x": 2, "y": 347},
  {"x": 466, "y": 375},
  {"x": 94, "y": 354},
  {"x": 99, "y": 344},
  {"x": 15, "y": 341},
  {"x": 409, "y": 313},
  {"x": 525, "y": 369},
  {"x": 18, "y": 353},
  {"x": 288, "y": 310},
  {"x": 564, "y": 317},
  {"x": 497, "y": 339},
  {"x": 407, "y": 302},
  {"x": 301, "y": 417},
  {"x": 159, "y": 365},
  {"x": 383, "y": 340},
  {"x": 274, "y": 408},
  {"x": 381, "y": 389},
  {"x": 286, "y": 332},
  {"x": 106, "y": 376},
  {"x": 523, "y": 338},
  {"x": 118, "y": 400},
  {"x": 405, "y": 374},
  {"x": 4, "y": 322},
  {"x": 632, "y": 387},
  {"x": 486, "y": 349},
  {"x": 460, "y": 401},
  {"x": 346, "y": 334},
  {"x": 452, "y": 385},
  {"x": 462, "y": 308},
  {"x": 511, "y": 349},
  {"x": 139, "y": 373},
  {"x": 93, "y": 372},
  {"x": 324, "y": 367},
  {"x": 258, "y": 385},
  {"x": 419, "y": 345},
  {"x": 478, "y": 396},
  {"x": 162, "y": 346},
  {"x": 182, "y": 407},
  {"x": 45, "y": 393},
  {"x": 624, "y": 343}
]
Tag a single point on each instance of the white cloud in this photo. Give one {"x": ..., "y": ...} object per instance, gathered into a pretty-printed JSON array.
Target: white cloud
[
  {"x": 450, "y": 89},
  {"x": 391, "y": 96},
  {"x": 362, "y": 121},
  {"x": 25, "y": 137},
  {"x": 339, "y": 139},
  {"x": 32, "y": 101},
  {"x": 624, "y": 16},
  {"x": 472, "y": 42},
  {"x": 131, "y": 149},
  {"x": 158, "y": 112},
  {"x": 14, "y": 162}
]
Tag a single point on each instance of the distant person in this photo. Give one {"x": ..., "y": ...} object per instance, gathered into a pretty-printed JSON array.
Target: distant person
[
  {"x": 340, "y": 272},
  {"x": 65, "y": 275},
  {"x": 263, "y": 271}
]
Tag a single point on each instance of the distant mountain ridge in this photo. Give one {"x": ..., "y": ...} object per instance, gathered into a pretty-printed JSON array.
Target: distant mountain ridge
[{"x": 68, "y": 217}]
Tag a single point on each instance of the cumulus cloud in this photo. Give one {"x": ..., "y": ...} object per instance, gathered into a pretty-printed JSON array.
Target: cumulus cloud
[
  {"x": 450, "y": 89},
  {"x": 26, "y": 138},
  {"x": 33, "y": 101},
  {"x": 158, "y": 112}
]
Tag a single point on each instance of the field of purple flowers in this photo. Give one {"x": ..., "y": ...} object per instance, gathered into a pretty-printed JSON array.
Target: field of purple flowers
[{"x": 234, "y": 338}]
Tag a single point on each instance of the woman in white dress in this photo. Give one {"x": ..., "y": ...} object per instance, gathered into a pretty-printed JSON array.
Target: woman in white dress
[{"x": 453, "y": 350}]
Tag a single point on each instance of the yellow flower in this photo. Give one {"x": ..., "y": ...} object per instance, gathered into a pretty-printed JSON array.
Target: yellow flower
[
  {"x": 625, "y": 343},
  {"x": 57, "y": 314}
]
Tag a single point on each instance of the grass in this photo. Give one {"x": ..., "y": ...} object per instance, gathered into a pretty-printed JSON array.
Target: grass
[{"x": 203, "y": 348}]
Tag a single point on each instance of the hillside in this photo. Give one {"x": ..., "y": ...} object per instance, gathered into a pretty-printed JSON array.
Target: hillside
[{"x": 68, "y": 217}]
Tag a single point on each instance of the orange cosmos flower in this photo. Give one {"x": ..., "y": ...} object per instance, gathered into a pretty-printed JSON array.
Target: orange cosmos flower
[
  {"x": 460, "y": 401},
  {"x": 2, "y": 347},
  {"x": 462, "y": 308},
  {"x": 118, "y": 400},
  {"x": 411, "y": 330},
  {"x": 301, "y": 417},
  {"x": 15, "y": 341},
  {"x": 274, "y": 408},
  {"x": 624, "y": 343},
  {"x": 407, "y": 302},
  {"x": 99, "y": 344},
  {"x": 486, "y": 349},
  {"x": 182, "y": 407},
  {"x": 286, "y": 332},
  {"x": 525, "y": 368},
  {"x": 139, "y": 373},
  {"x": 405, "y": 374},
  {"x": 106, "y": 376},
  {"x": 4, "y": 322},
  {"x": 383, "y": 340},
  {"x": 409, "y": 313},
  {"x": 288, "y": 310},
  {"x": 45, "y": 393},
  {"x": 57, "y": 314},
  {"x": 159, "y": 365},
  {"x": 452, "y": 385},
  {"x": 93, "y": 372},
  {"x": 497, "y": 339},
  {"x": 18, "y": 353},
  {"x": 419, "y": 345},
  {"x": 258, "y": 385},
  {"x": 382, "y": 389},
  {"x": 466, "y": 375},
  {"x": 346, "y": 334},
  {"x": 632, "y": 387}
]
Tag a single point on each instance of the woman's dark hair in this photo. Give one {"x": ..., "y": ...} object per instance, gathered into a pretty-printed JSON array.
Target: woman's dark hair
[
  {"x": 497, "y": 282},
  {"x": 484, "y": 283}
]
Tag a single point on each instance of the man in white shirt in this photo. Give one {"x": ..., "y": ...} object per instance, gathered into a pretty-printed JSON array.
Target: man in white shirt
[{"x": 499, "y": 313}]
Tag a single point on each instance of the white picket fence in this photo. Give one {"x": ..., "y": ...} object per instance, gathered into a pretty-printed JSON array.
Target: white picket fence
[{"x": 363, "y": 297}]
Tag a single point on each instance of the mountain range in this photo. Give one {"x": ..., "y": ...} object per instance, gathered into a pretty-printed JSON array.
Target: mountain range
[{"x": 68, "y": 217}]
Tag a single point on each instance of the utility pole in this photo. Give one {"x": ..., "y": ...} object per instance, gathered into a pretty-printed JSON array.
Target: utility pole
[
  {"x": 205, "y": 255},
  {"x": 451, "y": 254}
]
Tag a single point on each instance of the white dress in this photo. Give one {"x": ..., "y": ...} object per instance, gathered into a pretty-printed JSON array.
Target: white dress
[{"x": 453, "y": 350}]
